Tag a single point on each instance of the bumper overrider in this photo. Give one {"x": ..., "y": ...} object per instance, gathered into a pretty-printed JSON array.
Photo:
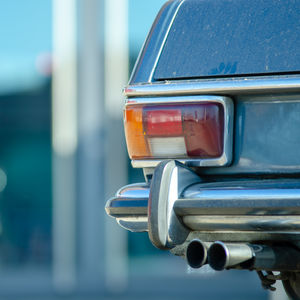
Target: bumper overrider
[{"x": 228, "y": 224}]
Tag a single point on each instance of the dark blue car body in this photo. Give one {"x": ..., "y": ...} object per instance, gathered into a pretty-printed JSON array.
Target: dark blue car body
[{"x": 248, "y": 52}]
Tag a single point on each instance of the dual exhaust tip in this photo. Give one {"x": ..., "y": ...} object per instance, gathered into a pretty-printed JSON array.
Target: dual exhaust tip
[{"x": 218, "y": 255}]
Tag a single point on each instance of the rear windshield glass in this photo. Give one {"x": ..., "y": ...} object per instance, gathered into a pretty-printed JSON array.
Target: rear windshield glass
[{"x": 232, "y": 37}]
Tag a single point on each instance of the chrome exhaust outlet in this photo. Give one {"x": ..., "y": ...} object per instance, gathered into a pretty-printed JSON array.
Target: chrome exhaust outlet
[
  {"x": 196, "y": 253},
  {"x": 222, "y": 256},
  {"x": 253, "y": 257}
]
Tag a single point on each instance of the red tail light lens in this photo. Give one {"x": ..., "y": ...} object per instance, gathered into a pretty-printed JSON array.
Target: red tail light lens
[
  {"x": 204, "y": 130},
  {"x": 160, "y": 120},
  {"x": 174, "y": 130}
]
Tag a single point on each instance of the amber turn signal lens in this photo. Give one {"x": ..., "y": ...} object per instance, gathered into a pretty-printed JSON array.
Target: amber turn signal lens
[{"x": 134, "y": 132}]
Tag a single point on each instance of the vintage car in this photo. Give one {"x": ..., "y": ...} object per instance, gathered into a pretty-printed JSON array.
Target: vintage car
[{"x": 212, "y": 115}]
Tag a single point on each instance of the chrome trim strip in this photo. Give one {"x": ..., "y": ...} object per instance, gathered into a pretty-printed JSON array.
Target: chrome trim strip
[
  {"x": 200, "y": 200},
  {"x": 243, "y": 223},
  {"x": 164, "y": 41},
  {"x": 135, "y": 190},
  {"x": 245, "y": 236},
  {"x": 239, "y": 201},
  {"x": 239, "y": 193},
  {"x": 216, "y": 86},
  {"x": 226, "y": 156},
  {"x": 130, "y": 201},
  {"x": 134, "y": 224}
]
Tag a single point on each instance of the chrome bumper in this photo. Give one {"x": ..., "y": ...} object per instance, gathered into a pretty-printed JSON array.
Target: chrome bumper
[{"x": 179, "y": 203}]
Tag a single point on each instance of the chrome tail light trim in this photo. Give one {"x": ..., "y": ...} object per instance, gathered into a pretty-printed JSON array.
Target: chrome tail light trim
[{"x": 226, "y": 157}]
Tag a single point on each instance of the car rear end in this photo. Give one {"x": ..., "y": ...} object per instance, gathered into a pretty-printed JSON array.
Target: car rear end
[{"x": 212, "y": 117}]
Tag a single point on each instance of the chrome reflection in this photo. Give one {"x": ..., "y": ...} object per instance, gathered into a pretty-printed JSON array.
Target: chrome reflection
[{"x": 232, "y": 86}]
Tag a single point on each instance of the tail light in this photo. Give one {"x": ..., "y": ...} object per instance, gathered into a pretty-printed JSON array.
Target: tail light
[{"x": 179, "y": 130}]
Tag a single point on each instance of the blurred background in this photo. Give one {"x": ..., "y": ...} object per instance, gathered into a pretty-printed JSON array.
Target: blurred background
[{"x": 63, "y": 64}]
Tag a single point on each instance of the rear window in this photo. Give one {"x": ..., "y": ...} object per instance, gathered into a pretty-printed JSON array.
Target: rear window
[{"x": 232, "y": 37}]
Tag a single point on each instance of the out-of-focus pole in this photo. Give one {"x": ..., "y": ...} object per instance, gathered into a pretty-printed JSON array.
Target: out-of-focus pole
[
  {"x": 64, "y": 143},
  {"x": 92, "y": 140},
  {"x": 116, "y": 77}
]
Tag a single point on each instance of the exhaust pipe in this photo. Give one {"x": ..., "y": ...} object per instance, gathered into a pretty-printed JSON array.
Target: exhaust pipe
[
  {"x": 253, "y": 257},
  {"x": 222, "y": 256},
  {"x": 196, "y": 253}
]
